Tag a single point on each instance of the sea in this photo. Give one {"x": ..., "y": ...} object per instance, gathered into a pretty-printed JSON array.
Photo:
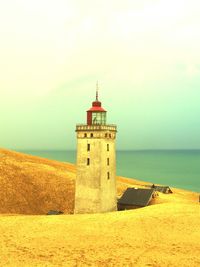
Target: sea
[{"x": 176, "y": 168}]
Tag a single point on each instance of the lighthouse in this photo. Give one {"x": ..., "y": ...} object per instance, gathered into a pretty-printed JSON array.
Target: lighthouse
[{"x": 95, "y": 189}]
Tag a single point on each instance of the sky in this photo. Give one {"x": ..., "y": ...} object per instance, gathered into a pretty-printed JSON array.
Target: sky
[{"x": 144, "y": 53}]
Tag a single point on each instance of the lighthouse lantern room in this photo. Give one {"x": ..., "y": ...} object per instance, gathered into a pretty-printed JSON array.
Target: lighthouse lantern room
[{"x": 96, "y": 114}]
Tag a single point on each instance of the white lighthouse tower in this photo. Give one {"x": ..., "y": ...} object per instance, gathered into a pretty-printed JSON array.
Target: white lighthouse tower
[{"x": 96, "y": 163}]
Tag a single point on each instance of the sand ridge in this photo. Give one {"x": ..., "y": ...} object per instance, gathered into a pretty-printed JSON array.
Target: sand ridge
[
  {"x": 33, "y": 185},
  {"x": 164, "y": 234}
]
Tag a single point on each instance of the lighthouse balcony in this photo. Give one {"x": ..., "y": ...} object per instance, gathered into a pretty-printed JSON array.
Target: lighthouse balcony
[{"x": 96, "y": 127}]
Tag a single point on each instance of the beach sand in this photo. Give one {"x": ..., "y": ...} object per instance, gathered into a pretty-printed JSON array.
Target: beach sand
[{"x": 164, "y": 234}]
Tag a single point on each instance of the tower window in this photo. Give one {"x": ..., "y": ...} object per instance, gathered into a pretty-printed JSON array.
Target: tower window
[
  {"x": 91, "y": 135},
  {"x": 106, "y": 135},
  {"x": 108, "y": 161},
  {"x": 108, "y": 147},
  {"x": 88, "y": 161},
  {"x": 85, "y": 135},
  {"x": 108, "y": 175},
  {"x": 88, "y": 147}
]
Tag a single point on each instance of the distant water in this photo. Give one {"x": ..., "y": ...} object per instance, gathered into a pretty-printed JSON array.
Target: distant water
[{"x": 178, "y": 168}]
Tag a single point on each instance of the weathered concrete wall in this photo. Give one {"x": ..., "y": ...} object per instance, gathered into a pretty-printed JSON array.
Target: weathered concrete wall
[
  {"x": 95, "y": 190},
  {"x": 108, "y": 185}
]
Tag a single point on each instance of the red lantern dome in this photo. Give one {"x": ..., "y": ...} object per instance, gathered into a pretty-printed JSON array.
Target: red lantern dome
[{"x": 96, "y": 114}]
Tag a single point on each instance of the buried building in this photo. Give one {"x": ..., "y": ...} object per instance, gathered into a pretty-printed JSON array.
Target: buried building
[
  {"x": 96, "y": 163},
  {"x": 162, "y": 189},
  {"x": 136, "y": 198}
]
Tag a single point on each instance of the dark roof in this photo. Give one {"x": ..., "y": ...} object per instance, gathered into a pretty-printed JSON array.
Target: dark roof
[
  {"x": 136, "y": 197},
  {"x": 54, "y": 212},
  {"x": 162, "y": 189}
]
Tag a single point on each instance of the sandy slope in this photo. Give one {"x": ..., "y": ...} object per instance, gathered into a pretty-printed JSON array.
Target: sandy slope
[
  {"x": 165, "y": 234},
  {"x": 159, "y": 235},
  {"x": 33, "y": 185}
]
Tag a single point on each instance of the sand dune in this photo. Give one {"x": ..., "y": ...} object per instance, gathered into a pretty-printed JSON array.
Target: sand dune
[
  {"x": 33, "y": 185},
  {"x": 164, "y": 234}
]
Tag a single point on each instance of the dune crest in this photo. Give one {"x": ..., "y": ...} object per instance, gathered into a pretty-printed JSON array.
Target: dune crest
[
  {"x": 165, "y": 234},
  {"x": 34, "y": 185}
]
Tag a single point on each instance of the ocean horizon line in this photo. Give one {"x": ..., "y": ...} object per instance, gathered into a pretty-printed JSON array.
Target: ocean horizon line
[{"x": 119, "y": 150}]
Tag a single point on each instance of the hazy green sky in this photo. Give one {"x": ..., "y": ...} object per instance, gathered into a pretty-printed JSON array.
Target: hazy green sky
[{"x": 145, "y": 54}]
